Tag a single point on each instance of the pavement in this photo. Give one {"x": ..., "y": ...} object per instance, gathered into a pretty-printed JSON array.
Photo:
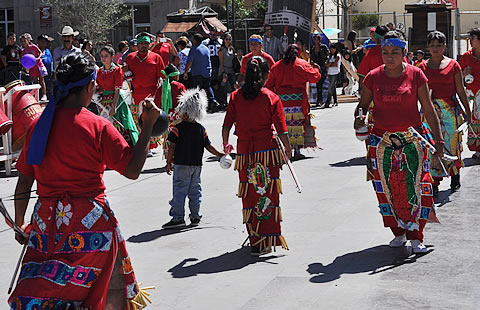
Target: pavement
[{"x": 339, "y": 256}]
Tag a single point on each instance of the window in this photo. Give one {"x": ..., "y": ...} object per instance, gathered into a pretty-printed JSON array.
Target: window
[{"x": 7, "y": 24}]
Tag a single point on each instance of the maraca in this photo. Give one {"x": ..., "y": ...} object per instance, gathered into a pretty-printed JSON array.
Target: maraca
[{"x": 161, "y": 124}]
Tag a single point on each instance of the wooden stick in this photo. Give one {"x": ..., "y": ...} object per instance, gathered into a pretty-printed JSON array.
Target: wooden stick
[{"x": 16, "y": 268}]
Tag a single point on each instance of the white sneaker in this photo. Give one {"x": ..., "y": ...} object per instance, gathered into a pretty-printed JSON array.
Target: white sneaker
[
  {"x": 418, "y": 247},
  {"x": 398, "y": 241},
  {"x": 44, "y": 98},
  {"x": 149, "y": 154}
]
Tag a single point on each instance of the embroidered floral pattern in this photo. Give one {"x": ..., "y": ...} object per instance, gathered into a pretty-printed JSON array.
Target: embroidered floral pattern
[{"x": 63, "y": 214}]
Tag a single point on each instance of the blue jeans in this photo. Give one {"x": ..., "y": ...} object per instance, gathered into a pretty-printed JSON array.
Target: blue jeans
[{"x": 186, "y": 182}]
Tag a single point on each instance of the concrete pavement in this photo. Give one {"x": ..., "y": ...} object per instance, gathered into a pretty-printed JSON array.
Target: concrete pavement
[{"x": 339, "y": 258}]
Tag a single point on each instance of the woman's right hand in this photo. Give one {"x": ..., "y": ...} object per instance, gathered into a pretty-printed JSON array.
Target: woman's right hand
[
  {"x": 358, "y": 123},
  {"x": 21, "y": 239},
  {"x": 150, "y": 113}
]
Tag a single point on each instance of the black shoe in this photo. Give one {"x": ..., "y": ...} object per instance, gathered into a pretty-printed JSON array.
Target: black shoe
[
  {"x": 174, "y": 224},
  {"x": 257, "y": 252},
  {"x": 435, "y": 190},
  {"x": 455, "y": 182},
  {"x": 194, "y": 222}
]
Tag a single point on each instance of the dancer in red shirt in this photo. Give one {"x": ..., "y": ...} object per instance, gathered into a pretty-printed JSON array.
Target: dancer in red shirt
[
  {"x": 109, "y": 81},
  {"x": 396, "y": 158},
  {"x": 470, "y": 63},
  {"x": 75, "y": 249},
  {"x": 445, "y": 82},
  {"x": 255, "y": 111},
  {"x": 288, "y": 78},
  {"x": 146, "y": 71}
]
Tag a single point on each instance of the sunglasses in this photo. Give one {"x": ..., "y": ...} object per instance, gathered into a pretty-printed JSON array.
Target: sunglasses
[{"x": 228, "y": 39}]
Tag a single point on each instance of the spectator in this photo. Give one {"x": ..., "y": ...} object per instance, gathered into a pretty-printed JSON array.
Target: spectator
[
  {"x": 11, "y": 53},
  {"x": 370, "y": 42},
  {"x": 181, "y": 59},
  {"x": 214, "y": 45},
  {"x": 350, "y": 45},
  {"x": 122, "y": 48},
  {"x": 199, "y": 61},
  {"x": 67, "y": 47},
  {"x": 227, "y": 72},
  {"x": 419, "y": 60},
  {"x": 319, "y": 56},
  {"x": 348, "y": 84},
  {"x": 272, "y": 44},
  {"x": 76, "y": 42},
  {"x": 38, "y": 71},
  {"x": 390, "y": 26},
  {"x": 410, "y": 58},
  {"x": 164, "y": 47},
  {"x": 333, "y": 71},
  {"x": 43, "y": 42},
  {"x": 132, "y": 48},
  {"x": 302, "y": 52},
  {"x": 87, "y": 49}
]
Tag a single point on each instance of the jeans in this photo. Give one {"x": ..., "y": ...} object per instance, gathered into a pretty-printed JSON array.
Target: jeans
[
  {"x": 332, "y": 89},
  {"x": 203, "y": 83},
  {"x": 186, "y": 182}
]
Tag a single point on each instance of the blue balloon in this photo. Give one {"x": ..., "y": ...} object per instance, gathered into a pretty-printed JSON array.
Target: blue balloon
[{"x": 28, "y": 61}]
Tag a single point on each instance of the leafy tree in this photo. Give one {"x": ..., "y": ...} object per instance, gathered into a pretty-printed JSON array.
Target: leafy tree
[
  {"x": 94, "y": 19},
  {"x": 362, "y": 21}
]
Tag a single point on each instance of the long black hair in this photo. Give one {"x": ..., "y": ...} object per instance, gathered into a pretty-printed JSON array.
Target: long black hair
[
  {"x": 256, "y": 72},
  {"x": 73, "y": 68},
  {"x": 291, "y": 53}
]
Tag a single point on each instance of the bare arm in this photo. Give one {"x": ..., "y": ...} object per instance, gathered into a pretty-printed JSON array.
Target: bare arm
[
  {"x": 187, "y": 68},
  {"x": 463, "y": 96},
  {"x": 431, "y": 116},
  {"x": 22, "y": 197},
  {"x": 171, "y": 151},
  {"x": 286, "y": 144},
  {"x": 220, "y": 58},
  {"x": 173, "y": 49},
  {"x": 113, "y": 111},
  {"x": 4, "y": 60},
  {"x": 214, "y": 151},
  {"x": 225, "y": 135},
  {"x": 365, "y": 100}
]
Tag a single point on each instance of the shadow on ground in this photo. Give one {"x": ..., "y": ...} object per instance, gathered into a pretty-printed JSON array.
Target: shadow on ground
[
  {"x": 158, "y": 233},
  {"x": 373, "y": 260},
  {"x": 469, "y": 162},
  {"x": 154, "y": 170},
  {"x": 228, "y": 261},
  {"x": 357, "y": 161}
]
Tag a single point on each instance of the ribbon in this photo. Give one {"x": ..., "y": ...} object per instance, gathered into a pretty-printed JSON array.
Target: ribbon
[
  {"x": 143, "y": 39},
  {"x": 394, "y": 42},
  {"x": 39, "y": 139},
  {"x": 167, "y": 102},
  {"x": 255, "y": 40}
]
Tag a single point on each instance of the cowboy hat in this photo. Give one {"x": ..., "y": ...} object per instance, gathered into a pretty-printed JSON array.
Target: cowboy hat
[{"x": 68, "y": 31}]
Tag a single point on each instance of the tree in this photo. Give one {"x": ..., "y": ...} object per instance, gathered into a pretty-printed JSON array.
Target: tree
[
  {"x": 362, "y": 21},
  {"x": 345, "y": 5},
  {"x": 92, "y": 18}
]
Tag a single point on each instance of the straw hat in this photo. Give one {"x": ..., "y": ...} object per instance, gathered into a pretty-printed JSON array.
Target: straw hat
[{"x": 68, "y": 31}]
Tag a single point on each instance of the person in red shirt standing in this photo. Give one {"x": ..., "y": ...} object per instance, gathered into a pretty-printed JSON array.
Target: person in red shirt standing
[
  {"x": 470, "y": 63},
  {"x": 255, "y": 111},
  {"x": 288, "y": 78},
  {"x": 255, "y": 42},
  {"x": 163, "y": 46},
  {"x": 445, "y": 82},
  {"x": 75, "y": 249},
  {"x": 114, "y": 106},
  {"x": 144, "y": 67},
  {"x": 396, "y": 158},
  {"x": 419, "y": 54}
]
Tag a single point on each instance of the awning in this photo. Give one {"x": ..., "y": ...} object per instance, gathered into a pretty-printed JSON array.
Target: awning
[
  {"x": 202, "y": 26},
  {"x": 178, "y": 27}
]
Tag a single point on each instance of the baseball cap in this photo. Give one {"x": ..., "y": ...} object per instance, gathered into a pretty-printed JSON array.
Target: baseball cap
[
  {"x": 45, "y": 37},
  {"x": 133, "y": 42},
  {"x": 373, "y": 29}
]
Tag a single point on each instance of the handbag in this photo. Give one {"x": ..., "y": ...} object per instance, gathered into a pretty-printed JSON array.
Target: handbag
[{"x": 236, "y": 65}]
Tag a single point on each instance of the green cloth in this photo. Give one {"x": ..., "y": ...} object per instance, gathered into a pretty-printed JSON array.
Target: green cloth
[
  {"x": 143, "y": 39},
  {"x": 167, "y": 102},
  {"x": 124, "y": 116}
]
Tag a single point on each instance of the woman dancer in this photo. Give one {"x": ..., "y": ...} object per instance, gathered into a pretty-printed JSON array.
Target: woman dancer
[
  {"x": 254, "y": 109},
  {"x": 445, "y": 82},
  {"x": 288, "y": 79},
  {"x": 110, "y": 80},
  {"x": 470, "y": 63},
  {"x": 38, "y": 71},
  {"x": 76, "y": 257},
  {"x": 396, "y": 158}
]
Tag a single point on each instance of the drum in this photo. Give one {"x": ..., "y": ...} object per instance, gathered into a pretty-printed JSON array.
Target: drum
[
  {"x": 25, "y": 110},
  {"x": 5, "y": 123},
  {"x": 8, "y": 88}
]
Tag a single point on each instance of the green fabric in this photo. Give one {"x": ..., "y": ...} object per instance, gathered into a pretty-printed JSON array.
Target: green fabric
[
  {"x": 124, "y": 116},
  {"x": 143, "y": 39},
  {"x": 376, "y": 35},
  {"x": 167, "y": 101}
]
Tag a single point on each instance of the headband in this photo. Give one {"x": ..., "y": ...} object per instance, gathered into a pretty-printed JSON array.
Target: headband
[
  {"x": 394, "y": 42},
  {"x": 378, "y": 36},
  {"x": 39, "y": 139},
  {"x": 143, "y": 39},
  {"x": 167, "y": 102},
  {"x": 255, "y": 40}
]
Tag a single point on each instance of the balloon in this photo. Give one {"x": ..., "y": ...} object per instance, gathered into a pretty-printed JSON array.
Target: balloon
[
  {"x": 28, "y": 61},
  {"x": 226, "y": 161},
  {"x": 160, "y": 125}
]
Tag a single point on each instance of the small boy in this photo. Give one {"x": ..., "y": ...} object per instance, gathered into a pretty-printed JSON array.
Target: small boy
[{"x": 187, "y": 141}]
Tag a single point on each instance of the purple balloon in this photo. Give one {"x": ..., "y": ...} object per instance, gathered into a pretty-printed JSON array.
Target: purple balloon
[{"x": 28, "y": 61}]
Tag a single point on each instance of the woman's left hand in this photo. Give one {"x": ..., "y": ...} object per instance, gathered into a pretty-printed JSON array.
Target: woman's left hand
[{"x": 440, "y": 148}]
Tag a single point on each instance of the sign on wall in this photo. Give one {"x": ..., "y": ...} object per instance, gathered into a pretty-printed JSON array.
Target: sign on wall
[{"x": 45, "y": 16}]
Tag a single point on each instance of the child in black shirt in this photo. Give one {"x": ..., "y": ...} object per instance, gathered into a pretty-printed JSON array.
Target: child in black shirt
[{"x": 188, "y": 139}]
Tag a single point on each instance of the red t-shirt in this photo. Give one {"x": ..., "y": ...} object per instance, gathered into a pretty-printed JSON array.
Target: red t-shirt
[
  {"x": 163, "y": 49},
  {"x": 442, "y": 81},
  {"x": 247, "y": 57},
  {"x": 80, "y": 146},
  {"x": 254, "y": 119},
  {"x": 372, "y": 60},
  {"x": 469, "y": 60},
  {"x": 418, "y": 63},
  {"x": 396, "y": 101},
  {"x": 177, "y": 89},
  {"x": 146, "y": 71},
  {"x": 292, "y": 75},
  {"x": 110, "y": 79}
]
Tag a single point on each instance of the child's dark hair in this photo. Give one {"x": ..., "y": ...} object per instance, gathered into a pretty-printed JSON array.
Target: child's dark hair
[
  {"x": 108, "y": 49},
  {"x": 257, "y": 69},
  {"x": 436, "y": 35},
  {"x": 474, "y": 32},
  {"x": 73, "y": 68},
  {"x": 345, "y": 53},
  {"x": 291, "y": 53},
  {"x": 394, "y": 34},
  {"x": 170, "y": 69}
]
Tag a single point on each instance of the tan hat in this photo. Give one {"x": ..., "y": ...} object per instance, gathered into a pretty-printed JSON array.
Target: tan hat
[{"x": 68, "y": 31}]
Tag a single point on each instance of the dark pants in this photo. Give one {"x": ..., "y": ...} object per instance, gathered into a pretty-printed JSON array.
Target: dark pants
[
  {"x": 320, "y": 98},
  {"x": 225, "y": 88},
  {"x": 203, "y": 83},
  {"x": 332, "y": 89}
]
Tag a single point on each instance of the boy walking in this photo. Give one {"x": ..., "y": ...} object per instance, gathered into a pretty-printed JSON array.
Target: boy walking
[{"x": 187, "y": 142}]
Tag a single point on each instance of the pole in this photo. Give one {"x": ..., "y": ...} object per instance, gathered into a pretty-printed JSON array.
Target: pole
[
  {"x": 323, "y": 14},
  {"x": 227, "y": 12},
  {"x": 233, "y": 21},
  {"x": 133, "y": 21},
  {"x": 314, "y": 11},
  {"x": 457, "y": 30}
]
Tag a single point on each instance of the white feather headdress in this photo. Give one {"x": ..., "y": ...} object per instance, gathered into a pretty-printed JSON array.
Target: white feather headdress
[{"x": 193, "y": 104}]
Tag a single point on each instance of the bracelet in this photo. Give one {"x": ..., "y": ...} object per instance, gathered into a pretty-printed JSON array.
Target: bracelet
[{"x": 440, "y": 141}]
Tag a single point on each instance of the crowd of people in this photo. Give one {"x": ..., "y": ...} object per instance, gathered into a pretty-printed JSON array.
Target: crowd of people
[{"x": 76, "y": 256}]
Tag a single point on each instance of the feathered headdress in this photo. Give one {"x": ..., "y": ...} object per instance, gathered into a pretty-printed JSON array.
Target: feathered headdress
[{"x": 193, "y": 104}]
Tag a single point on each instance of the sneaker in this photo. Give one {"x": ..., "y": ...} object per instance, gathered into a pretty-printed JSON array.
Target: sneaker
[
  {"x": 174, "y": 224},
  {"x": 150, "y": 153},
  {"x": 418, "y": 247},
  {"x": 398, "y": 241},
  {"x": 455, "y": 182},
  {"x": 194, "y": 222},
  {"x": 476, "y": 154},
  {"x": 44, "y": 98}
]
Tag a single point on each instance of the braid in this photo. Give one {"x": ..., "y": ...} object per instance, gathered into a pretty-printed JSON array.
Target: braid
[
  {"x": 291, "y": 53},
  {"x": 73, "y": 68},
  {"x": 257, "y": 69}
]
